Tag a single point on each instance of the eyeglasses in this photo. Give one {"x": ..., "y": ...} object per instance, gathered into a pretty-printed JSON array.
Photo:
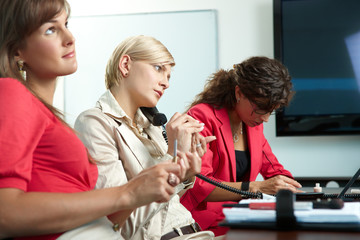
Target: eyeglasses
[{"x": 258, "y": 111}]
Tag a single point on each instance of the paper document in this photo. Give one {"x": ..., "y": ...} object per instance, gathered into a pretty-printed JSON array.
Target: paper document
[{"x": 350, "y": 213}]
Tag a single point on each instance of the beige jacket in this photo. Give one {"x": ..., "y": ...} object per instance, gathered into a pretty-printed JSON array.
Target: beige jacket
[{"x": 122, "y": 152}]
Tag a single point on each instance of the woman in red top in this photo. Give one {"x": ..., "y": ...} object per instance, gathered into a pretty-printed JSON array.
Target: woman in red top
[
  {"x": 233, "y": 106},
  {"x": 46, "y": 177}
]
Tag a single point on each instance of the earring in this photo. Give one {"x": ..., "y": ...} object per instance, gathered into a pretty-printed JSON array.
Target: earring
[
  {"x": 238, "y": 100},
  {"x": 20, "y": 64}
]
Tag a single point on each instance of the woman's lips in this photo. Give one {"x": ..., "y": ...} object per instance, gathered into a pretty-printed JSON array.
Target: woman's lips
[
  {"x": 159, "y": 93},
  {"x": 69, "y": 55}
]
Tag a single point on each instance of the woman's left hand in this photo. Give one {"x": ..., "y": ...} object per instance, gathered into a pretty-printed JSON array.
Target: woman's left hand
[
  {"x": 199, "y": 143},
  {"x": 274, "y": 184},
  {"x": 181, "y": 127}
]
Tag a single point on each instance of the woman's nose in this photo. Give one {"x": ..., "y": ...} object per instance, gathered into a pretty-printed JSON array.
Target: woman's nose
[
  {"x": 165, "y": 83},
  {"x": 265, "y": 117},
  {"x": 68, "y": 38}
]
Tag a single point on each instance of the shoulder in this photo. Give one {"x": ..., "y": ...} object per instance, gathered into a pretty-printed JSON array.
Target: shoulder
[
  {"x": 90, "y": 115},
  {"x": 4, "y": 82},
  {"x": 92, "y": 112},
  {"x": 10, "y": 87},
  {"x": 202, "y": 109},
  {"x": 16, "y": 99},
  {"x": 93, "y": 118}
]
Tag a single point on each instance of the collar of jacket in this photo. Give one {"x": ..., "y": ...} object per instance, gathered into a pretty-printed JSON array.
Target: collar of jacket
[{"x": 108, "y": 105}]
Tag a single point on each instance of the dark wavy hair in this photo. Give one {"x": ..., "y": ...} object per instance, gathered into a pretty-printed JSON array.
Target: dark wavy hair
[{"x": 264, "y": 81}]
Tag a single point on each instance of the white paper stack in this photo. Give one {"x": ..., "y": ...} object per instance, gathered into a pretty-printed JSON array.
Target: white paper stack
[{"x": 350, "y": 213}]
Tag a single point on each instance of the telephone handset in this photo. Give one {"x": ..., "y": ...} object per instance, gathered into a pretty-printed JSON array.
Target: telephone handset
[
  {"x": 159, "y": 119},
  {"x": 154, "y": 116}
]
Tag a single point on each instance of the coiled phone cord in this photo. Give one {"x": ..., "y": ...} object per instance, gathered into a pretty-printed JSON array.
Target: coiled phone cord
[
  {"x": 245, "y": 194},
  {"x": 159, "y": 119}
]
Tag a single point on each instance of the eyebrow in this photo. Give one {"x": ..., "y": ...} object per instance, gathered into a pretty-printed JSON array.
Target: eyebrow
[{"x": 54, "y": 20}]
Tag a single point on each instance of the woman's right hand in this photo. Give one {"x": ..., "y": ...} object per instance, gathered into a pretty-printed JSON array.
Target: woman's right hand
[
  {"x": 153, "y": 185},
  {"x": 181, "y": 127},
  {"x": 190, "y": 163}
]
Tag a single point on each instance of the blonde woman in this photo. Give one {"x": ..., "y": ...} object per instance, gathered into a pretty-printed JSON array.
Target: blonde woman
[{"x": 124, "y": 142}]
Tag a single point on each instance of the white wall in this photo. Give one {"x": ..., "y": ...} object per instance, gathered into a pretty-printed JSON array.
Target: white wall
[{"x": 245, "y": 29}]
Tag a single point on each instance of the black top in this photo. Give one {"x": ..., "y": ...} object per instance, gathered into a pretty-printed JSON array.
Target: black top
[{"x": 242, "y": 164}]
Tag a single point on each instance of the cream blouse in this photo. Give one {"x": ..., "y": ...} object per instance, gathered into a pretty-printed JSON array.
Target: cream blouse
[{"x": 122, "y": 151}]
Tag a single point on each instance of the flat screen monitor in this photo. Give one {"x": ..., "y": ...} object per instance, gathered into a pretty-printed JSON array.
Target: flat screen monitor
[{"x": 319, "y": 42}]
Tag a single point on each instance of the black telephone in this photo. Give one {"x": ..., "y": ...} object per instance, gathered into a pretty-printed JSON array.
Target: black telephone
[
  {"x": 154, "y": 116},
  {"x": 159, "y": 119}
]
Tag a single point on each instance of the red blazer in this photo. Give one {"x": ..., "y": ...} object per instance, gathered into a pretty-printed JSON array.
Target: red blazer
[{"x": 219, "y": 163}]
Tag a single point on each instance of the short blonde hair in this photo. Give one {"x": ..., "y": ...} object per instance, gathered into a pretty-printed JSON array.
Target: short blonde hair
[{"x": 139, "y": 48}]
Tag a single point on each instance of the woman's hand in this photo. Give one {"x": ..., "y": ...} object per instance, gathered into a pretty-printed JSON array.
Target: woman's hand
[
  {"x": 181, "y": 127},
  {"x": 199, "y": 143},
  {"x": 155, "y": 184},
  {"x": 274, "y": 184},
  {"x": 190, "y": 164}
]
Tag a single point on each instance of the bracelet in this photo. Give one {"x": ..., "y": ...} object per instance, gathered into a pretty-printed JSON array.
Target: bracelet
[{"x": 245, "y": 186}]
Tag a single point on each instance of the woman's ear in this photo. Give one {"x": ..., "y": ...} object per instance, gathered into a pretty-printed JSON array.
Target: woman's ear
[
  {"x": 238, "y": 94},
  {"x": 18, "y": 57},
  {"x": 124, "y": 65}
]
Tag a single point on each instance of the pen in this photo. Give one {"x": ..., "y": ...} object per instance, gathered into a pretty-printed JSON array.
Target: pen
[{"x": 175, "y": 151}]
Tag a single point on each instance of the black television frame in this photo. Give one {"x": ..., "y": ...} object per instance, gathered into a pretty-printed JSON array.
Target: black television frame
[{"x": 282, "y": 122}]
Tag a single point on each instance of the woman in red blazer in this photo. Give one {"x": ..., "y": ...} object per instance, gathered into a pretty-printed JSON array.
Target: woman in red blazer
[{"x": 233, "y": 106}]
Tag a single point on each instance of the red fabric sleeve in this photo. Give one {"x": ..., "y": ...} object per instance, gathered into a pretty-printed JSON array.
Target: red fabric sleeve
[
  {"x": 270, "y": 164},
  {"x": 201, "y": 189}
]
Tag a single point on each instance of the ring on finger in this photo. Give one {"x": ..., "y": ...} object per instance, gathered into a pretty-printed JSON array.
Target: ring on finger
[
  {"x": 172, "y": 179},
  {"x": 286, "y": 184},
  {"x": 198, "y": 145}
]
